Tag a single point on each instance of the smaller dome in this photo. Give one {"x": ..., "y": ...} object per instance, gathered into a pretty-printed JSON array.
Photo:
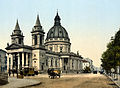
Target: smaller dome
[{"x": 57, "y": 31}]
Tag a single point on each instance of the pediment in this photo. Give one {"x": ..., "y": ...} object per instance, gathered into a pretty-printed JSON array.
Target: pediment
[{"x": 14, "y": 46}]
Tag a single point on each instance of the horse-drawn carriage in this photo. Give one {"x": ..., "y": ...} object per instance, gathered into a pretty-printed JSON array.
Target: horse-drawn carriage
[{"x": 54, "y": 72}]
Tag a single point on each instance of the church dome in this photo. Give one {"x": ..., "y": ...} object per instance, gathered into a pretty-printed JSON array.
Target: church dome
[{"x": 57, "y": 31}]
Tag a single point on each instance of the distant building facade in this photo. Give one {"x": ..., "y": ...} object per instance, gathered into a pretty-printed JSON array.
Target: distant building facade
[
  {"x": 55, "y": 52},
  {"x": 3, "y": 67},
  {"x": 3, "y": 61},
  {"x": 88, "y": 63}
]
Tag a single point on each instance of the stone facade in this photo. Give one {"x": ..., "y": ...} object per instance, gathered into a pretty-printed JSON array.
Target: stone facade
[
  {"x": 54, "y": 53},
  {"x": 3, "y": 67},
  {"x": 3, "y": 61},
  {"x": 87, "y": 63}
]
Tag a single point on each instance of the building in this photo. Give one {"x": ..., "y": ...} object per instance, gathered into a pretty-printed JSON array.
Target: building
[
  {"x": 3, "y": 61},
  {"x": 55, "y": 52},
  {"x": 88, "y": 63},
  {"x": 3, "y": 67}
]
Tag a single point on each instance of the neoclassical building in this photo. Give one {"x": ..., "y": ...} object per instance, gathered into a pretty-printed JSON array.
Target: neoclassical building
[{"x": 52, "y": 52}]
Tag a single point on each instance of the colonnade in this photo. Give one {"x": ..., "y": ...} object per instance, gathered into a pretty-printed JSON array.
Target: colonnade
[{"x": 18, "y": 60}]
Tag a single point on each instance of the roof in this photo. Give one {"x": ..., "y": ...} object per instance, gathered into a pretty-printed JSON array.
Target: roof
[
  {"x": 17, "y": 46},
  {"x": 17, "y": 31},
  {"x": 57, "y": 31},
  {"x": 71, "y": 54},
  {"x": 2, "y": 50},
  {"x": 37, "y": 27}
]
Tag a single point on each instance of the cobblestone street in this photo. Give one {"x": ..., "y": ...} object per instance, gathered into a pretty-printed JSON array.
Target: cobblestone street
[{"x": 75, "y": 81}]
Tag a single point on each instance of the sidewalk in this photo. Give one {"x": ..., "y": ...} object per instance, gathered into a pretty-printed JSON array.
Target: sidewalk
[
  {"x": 116, "y": 81},
  {"x": 18, "y": 83}
]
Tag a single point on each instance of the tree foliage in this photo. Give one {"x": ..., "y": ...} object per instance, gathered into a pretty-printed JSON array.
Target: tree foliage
[{"x": 111, "y": 57}]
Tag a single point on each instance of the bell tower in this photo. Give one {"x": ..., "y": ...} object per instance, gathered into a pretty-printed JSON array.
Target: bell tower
[
  {"x": 17, "y": 36},
  {"x": 37, "y": 35}
]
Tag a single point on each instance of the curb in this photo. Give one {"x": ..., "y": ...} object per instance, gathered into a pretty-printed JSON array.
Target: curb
[
  {"x": 31, "y": 85},
  {"x": 112, "y": 81}
]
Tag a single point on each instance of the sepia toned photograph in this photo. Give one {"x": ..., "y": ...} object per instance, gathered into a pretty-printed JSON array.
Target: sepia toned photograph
[{"x": 59, "y": 43}]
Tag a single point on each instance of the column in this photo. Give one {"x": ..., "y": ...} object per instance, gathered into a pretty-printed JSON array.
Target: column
[
  {"x": 33, "y": 40},
  {"x": 60, "y": 62},
  {"x": 22, "y": 59},
  {"x": 18, "y": 61},
  {"x": 70, "y": 63},
  {"x": 26, "y": 59},
  {"x": 42, "y": 39},
  {"x": 38, "y": 39},
  {"x": 53, "y": 61},
  {"x": 30, "y": 60},
  {"x": 78, "y": 65},
  {"x": 11, "y": 61},
  {"x": 75, "y": 64},
  {"x": 8, "y": 62}
]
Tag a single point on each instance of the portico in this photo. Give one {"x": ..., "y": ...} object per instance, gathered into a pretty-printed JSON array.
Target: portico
[{"x": 18, "y": 58}]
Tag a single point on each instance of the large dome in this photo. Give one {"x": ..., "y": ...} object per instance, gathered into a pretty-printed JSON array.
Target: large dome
[{"x": 57, "y": 31}]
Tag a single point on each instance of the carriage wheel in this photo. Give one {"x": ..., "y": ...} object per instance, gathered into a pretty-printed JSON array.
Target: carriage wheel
[{"x": 53, "y": 77}]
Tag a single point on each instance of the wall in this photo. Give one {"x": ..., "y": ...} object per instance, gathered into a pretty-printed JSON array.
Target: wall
[
  {"x": 3, "y": 62},
  {"x": 3, "y": 78}
]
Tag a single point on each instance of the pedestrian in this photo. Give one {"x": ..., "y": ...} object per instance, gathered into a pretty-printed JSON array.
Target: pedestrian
[
  {"x": 13, "y": 72},
  {"x": 9, "y": 72}
]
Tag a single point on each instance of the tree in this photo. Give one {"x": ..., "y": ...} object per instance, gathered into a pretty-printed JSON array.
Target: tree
[{"x": 111, "y": 57}]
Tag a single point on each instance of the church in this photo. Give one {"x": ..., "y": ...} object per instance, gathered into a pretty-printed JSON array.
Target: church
[{"x": 54, "y": 51}]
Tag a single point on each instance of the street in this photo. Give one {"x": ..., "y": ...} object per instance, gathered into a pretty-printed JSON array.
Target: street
[{"x": 74, "y": 81}]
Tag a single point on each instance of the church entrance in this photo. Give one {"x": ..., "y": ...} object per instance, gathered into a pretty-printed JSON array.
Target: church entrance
[{"x": 65, "y": 64}]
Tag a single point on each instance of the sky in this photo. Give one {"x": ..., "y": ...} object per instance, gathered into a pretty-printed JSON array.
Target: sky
[{"x": 89, "y": 23}]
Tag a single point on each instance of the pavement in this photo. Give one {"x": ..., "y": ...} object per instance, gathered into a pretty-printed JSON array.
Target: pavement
[
  {"x": 30, "y": 81},
  {"x": 74, "y": 81},
  {"x": 20, "y": 83},
  {"x": 116, "y": 80}
]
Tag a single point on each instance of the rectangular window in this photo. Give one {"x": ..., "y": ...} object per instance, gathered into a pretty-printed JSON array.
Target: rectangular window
[
  {"x": 51, "y": 62},
  {"x": 40, "y": 40},
  {"x": 61, "y": 48},
  {"x": 50, "y": 48},
  {"x": 56, "y": 63}
]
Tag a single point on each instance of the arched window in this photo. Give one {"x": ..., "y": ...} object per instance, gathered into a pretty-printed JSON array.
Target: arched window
[{"x": 35, "y": 39}]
